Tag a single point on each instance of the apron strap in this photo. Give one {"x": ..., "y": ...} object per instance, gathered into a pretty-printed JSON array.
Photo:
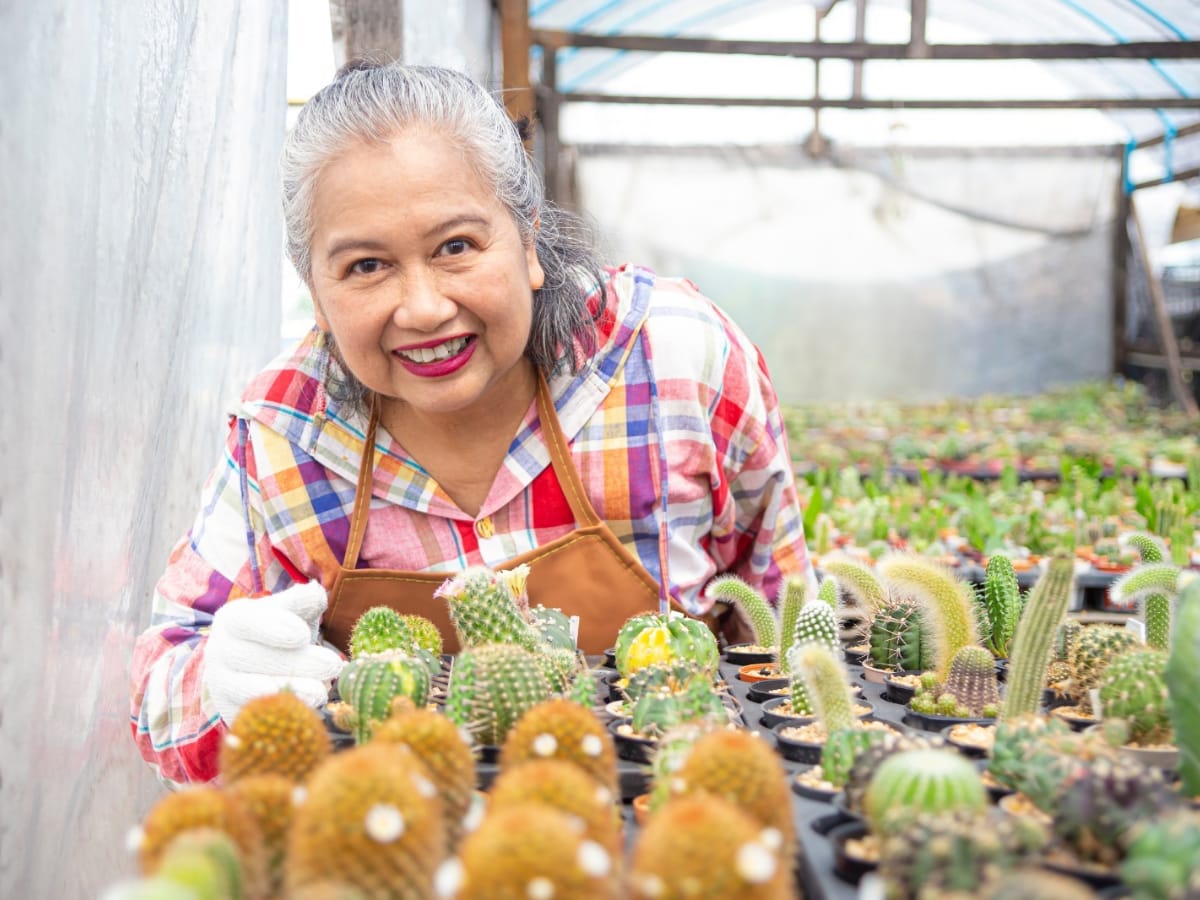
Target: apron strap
[{"x": 362, "y": 493}]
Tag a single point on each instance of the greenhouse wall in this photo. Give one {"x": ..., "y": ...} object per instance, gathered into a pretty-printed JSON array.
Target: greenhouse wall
[{"x": 896, "y": 273}]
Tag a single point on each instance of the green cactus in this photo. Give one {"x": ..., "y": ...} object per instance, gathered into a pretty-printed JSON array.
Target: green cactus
[
  {"x": 1002, "y": 598},
  {"x": 425, "y": 634},
  {"x": 752, "y": 605},
  {"x": 1161, "y": 861},
  {"x": 1097, "y": 646},
  {"x": 1030, "y": 755},
  {"x": 1156, "y": 617},
  {"x": 554, "y": 626},
  {"x": 918, "y": 783},
  {"x": 1032, "y": 644},
  {"x": 668, "y": 676},
  {"x": 945, "y": 599},
  {"x": 866, "y": 761},
  {"x": 857, "y": 580},
  {"x": 972, "y": 682},
  {"x": 652, "y": 638},
  {"x": 1181, "y": 538},
  {"x": 376, "y": 681},
  {"x": 791, "y": 601},
  {"x": 843, "y": 747},
  {"x": 629, "y": 631},
  {"x": 1183, "y": 700},
  {"x": 816, "y": 624},
  {"x": 379, "y": 630},
  {"x": 1149, "y": 578},
  {"x": 657, "y": 711},
  {"x": 828, "y": 591},
  {"x": 826, "y": 684},
  {"x": 561, "y": 666},
  {"x": 1148, "y": 546},
  {"x": 900, "y": 638},
  {"x": 206, "y": 861},
  {"x": 491, "y": 687},
  {"x": 484, "y": 610},
  {"x": 1133, "y": 688}
]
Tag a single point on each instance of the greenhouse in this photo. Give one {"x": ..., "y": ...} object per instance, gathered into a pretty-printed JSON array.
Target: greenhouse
[{"x": 601, "y": 449}]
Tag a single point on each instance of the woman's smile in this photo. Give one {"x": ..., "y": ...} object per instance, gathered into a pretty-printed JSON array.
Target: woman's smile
[{"x": 435, "y": 359}]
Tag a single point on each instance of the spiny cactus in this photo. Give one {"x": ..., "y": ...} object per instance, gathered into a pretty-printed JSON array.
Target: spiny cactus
[
  {"x": 1150, "y": 547},
  {"x": 372, "y": 819},
  {"x": 445, "y": 753},
  {"x": 532, "y": 850},
  {"x": 1140, "y": 581},
  {"x": 424, "y": 633},
  {"x": 706, "y": 848},
  {"x": 661, "y": 709},
  {"x": 561, "y": 729},
  {"x": 651, "y": 639},
  {"x": 791, "y": 600},
  {"x": 206, "y": 862},
  {"x": 1032, "y": 644},
  {"x": 1156, "y": 617},
  {"x": 1133, "y": 688},
  {"x": 629, "y": 630},
  {"x": 918, "y": 783},
  {"x": 946, "y": 600},
  {"x": 857, "y": 580},
  {"x": 379, "y": 630},
  {"x": 752, "y": 605},
  {"x": 274, "y": 734},
  {"x": 816, "y": 624},
  {"x": 900, "y": 637},
  {"x": 554, "y": 626},
  {"x": 483, "y": 609},
  {"x": 1183, "y": 697},
  {"x": 1002, "y": 598},
  {"x": 1024, "y": 755},
  {"x": 567, "y": 788},
  {"x": 972, "y": 682},
  {"x": 828, "y": 591},
  {"x": 672, "y": 676},
  {"x": 868, "y": 760},
  {"x": 1031, "y": 883},
  {"x": 843, "y": 747},
  {"x": 376, "y": 681},
  {"x": 1161, "y": 861},
  {"x": 1097, "y": 646},
  {"x": 826, "y": 684},
  {"x": 269, "y": 798},
  {"x": 204, "y": 806},
  {"x": 561, "y": 668},
  {"x": 491, "y": 687}
]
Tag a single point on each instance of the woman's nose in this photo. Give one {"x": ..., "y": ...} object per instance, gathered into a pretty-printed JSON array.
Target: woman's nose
[{"x": 422, "y": 305}]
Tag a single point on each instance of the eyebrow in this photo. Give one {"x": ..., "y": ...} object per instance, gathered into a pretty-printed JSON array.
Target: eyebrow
[{"x": 346, "y": 245}]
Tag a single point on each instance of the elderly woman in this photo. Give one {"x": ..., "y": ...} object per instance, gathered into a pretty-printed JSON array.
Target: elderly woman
[{"x": 478, "y": 390}]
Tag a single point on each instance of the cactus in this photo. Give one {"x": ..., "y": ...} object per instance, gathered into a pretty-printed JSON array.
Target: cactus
[
  {"x": 1028, "y": 883},
  {"x": 491, "y": 687},
  {"x": 670, "y": 676},
  {"x": 379, "y": 630},
  {"x": 376, "y": 681},
  {"x": 561, "y": 668},
  {"x": 371, "y": 819},
  {"x": 651, "y": 639},
  {"x": 554, "y": 626},
  {"x": 857, "y": 580},
  {"x": 447, "y": 757},
  {"x": 630, "y": 629},
  {"x": 868, "y": 760},
  {"x": 664, "y": 708},
  {"x": 269, "y": 798},
  {"x": 945, "y": 600},
  {"x": 564, "y": 786},
  {"x": 424, "y": 633},
  {"x": 1026, "y": 756},
  {"x": 1133, "y": 688},
  {"x": 972, "y": 682},
  {"x": 826, "y": 684},
  {"x": 1097, "y": 646},
  {"x": 1032, "y": 643},
  {"x": 816, "y": 624},
  {"x": 791, "y": 601},
  {"x": 1156, "y": 617},
  {"x": 900, "y": 638},
  {"x": 918, "y": 783},
  {"x": 204, "y": 806},
  {"x": 1002, "y": 598},
  {"x": 1140, "y": 581},
  {"x": 828, "y": 592},
  {"x": 1149, "y": 547},
  {"x": 206, "y": 862},
  {"x": 842, "y": 748},
  {"x": 561, "y": 729},
  {"x": 751, "y": 604},
  {"x": 1183, "y": 701},
  {"x": 706, "y": 848},
  {"x": 1181, "y": 538},
  {"x": 1161, "y": 861},
  {"x": 274, "y": 734},
  {"x": 1102, "y": 802},
  {"x": 533, "y": 850},
  {"x": 484, "y": 610}
]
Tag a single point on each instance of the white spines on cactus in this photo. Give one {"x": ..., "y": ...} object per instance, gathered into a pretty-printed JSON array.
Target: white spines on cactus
[
  {"x": 857, "y": 580},
  {"x": 1138, "y": 582},
  {"x": 818, "y": 623},
  {"x": 1149, "y": 546},
  {"x": 752, "y": 605},
  {"x": 791, "y": 600},
  {"x": 828, "y": 592},
  {"x": 948, "y": 601}
]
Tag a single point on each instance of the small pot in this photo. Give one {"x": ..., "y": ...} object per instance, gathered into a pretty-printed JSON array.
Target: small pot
[
  {"x": 1152, "y": 758},
  {"x": 968, "y": 750},
  {"x": 759, "y": 671},
  {"x": 854, "y": 657},
  {"x": 771, "y": 718},
  {"x": 848, "y": 868},
  {"x": 927, "y": 722},
  {"x": 610, "y": 658},
  {"x": 641, "y": 809},
  {"x": 761, "y": 691},
  {"x": 1077, "y": 723},
  {"x": 822, "y": 825},
  {"x": 742, "y": 655},
  {"x": 611, "y": 690},
  {"x": 634, "y": 749},
  {"x": 797, "y": 751},
  {"x": 897, "y": 693},
  {"x": 995, "y": 791},
  {"x": 812, "y": 793},
  {"x": 874, "y": 675},
  {"x": 1098, "y": 877}
]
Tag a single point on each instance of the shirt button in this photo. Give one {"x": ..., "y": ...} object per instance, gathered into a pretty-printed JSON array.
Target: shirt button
[{"x": 484, "y": 527}]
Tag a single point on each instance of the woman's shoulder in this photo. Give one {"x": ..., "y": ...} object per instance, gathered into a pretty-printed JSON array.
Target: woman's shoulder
[{"x": 292, "y": 383}]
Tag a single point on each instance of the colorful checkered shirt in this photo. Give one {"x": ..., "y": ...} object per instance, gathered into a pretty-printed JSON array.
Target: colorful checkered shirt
[{"x": 675, "y": 396}]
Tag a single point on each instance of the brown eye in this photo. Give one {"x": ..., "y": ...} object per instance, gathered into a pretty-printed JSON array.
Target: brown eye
[
  {"x": 366, "y": 267},
  {"x": 455, "y": 247}
]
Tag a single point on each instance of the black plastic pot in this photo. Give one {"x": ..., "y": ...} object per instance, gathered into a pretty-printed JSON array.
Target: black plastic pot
[
  {"x": 967, "y": 750},
  {"x": 848, "y": 868},
  {"x": 811, "y": 793},
  {"x": 897, "y": 693},
  {"x": 737, "y": 655},
  {"x": 1095, "y": 876},
  {"x": 761, "y": 691},
  {"x": 633, "y": 749},
  {"x": 927, "y": 722},
  {"x": 995, "y": 791},
  {"x": 771, "y": 717},
  {"x": 610, "y": 658},
  {"x": 797, "y": 751},
  {"x": 1076, "y": 723}
]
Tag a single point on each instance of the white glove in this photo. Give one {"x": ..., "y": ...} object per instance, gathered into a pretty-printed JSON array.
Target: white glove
[{"x": 258, "y": 646}]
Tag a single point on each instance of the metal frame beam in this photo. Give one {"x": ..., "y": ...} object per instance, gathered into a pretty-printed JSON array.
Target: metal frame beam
[{"x": 1191, "y": 103}]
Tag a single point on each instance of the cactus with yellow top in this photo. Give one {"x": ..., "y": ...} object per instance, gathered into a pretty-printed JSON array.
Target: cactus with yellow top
[
  {"x": 652, "y": 638},
  {"x": 486, "y": 607},
  {"x": 371, "y": 819},
  {"x": 275, "y": 734},
  {"x": 562, "y": 729}
]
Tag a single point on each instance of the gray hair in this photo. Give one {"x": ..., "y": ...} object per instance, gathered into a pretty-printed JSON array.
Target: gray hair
[{"x": 373, "y": 102}]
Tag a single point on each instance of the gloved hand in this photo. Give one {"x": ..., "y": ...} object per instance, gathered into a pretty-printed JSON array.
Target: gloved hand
[{"x": 257, "y": 646}]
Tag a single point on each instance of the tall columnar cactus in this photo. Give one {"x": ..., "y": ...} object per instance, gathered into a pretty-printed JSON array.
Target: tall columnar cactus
[
  {"x": 918, "y": 783},
  {"x": 376, "y": 681},
  {"x": 1098, "y": 645},
  {"x": 379, "y": 630},
  {"x": 972, "y": 682},
  {"x": 816, "y": 624},
  {"x": 1032, "y": 644},
  {"x": 491, "y": 687},
  {"x": 828, "y": 591},
  {"x": 900, "y": 637},
  {"x": 1183, "y": 699},
  {"x": 1149, "y": 546},
  {"x": 1002, "y": 598},
  {"x": 857, "y": 580},
  {"x": 484, "y": 610},
  {"x": 1133, "y": 688},
  {"x": 826, "y": 685},
  {"x": 275, "y": 734},
  {"x": 1156, "y": 617},
  {"x": 752, "y": 605},
  {"x": 946, "y": 600},
  {"x": 372, "y": 819},
  {"x": 561, "y": 729},
  {"x": 791, "y": 601}
]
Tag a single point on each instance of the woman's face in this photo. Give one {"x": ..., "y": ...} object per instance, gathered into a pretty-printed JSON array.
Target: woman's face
[{"x": 420, "y": 274}]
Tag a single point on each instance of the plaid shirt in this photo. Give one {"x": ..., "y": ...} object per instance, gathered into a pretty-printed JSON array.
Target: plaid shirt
[{"x": 674, "y": 397}]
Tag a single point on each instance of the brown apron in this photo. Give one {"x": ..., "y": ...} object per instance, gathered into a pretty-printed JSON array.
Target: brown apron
[{"x": 588, "y": 573}]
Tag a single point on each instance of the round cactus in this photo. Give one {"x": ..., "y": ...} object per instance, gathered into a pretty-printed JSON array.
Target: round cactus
[
  {"x": 1161, "y": 861},
  {"x": 1096, "y": 646},
  {"x": 655, "y": 639},
  {"x": 491, "y": 687},
  {"x": 371, "y": 819},
  {"x": 752, "y": 605},
  {"x": 659, "y": 710},
  {"x": 972, "y": 682},
  {"x": 269, "y": 798},
  {"x": 1133, "y": 688},
  {"x": 277, "y": 734},
  {"x": 554, "y": 626},
  {"x": 562, "y": 729},
  {"x": 376, "y": 681},
  {"x": 424, "y": 633},
  {"x": 484, "y": 610},
  {"x": 921, "y": 782},
  {"x": 379, "y": 630},
  {"x": 206, "y": 862}
]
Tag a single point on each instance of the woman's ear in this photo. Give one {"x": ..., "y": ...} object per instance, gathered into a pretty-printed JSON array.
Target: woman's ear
[
  {"x": 318, "y": 312},
  {"x": 537, "y": 277}
]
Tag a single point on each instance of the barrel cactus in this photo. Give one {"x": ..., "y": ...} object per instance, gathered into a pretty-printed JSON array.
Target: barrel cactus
[
  {"x": 561, "y": 729},
  {"x": 424, "y": 633},
  {"x": 1097, "y": 646},
  {"x": 376, "y": 681},
  {"x": 971, "y": 684},
  {"x": 918, "y": 783},
  {"x": 650, "y": 638},
  {"x": 379, "y": 630},
  {"x": 1161, "y": 860},
  {"x": 1133, "y": 688},
  {"x": 946, "y": 600},
  {"x": 900, "y": 638},
  {"x": 491, "y": 687},
  {"x": 275, "y": 734},
  {"x": 484, "y": 610}
]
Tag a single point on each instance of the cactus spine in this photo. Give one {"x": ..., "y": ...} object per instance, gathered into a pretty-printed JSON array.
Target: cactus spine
[
  {"x": 791, "y": 601},
  {"x": 491, "y": 687},
  {"x": 376, "y": 681},
  {"x": 1149, "y": 547},
  {"x": 424, "y": 633},
  {"x": 1132, "y": 688},
  {"x": 857, "y": 580},
  {"x": 484, "y": 610},
  {"x": 275, "y": 734},
  {"x": 379, "y": 630},
  {"x": 1150, "y": 578},
  {"x": 1002, "y": 598},
  {"x": 817, "y": 623},
  {"x": 945, "y": 599},
  {"x": 562, "y": 729},
  {"x": 900, "y": 638},
  {"x": 1032, "y": 644},
  {"x": 1183, "y": 697},
  {"x": 752, "y": 604},
  {"x": 826, "y": 685}
]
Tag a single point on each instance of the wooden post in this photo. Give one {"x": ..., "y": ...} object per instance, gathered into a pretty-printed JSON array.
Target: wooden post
[
  {"x": 373, "y": 28},
  {"x": 1120, "y": 287},
  {"x": 514, "y": 53},
  {"x": 548, "y": 114},
  {"x": 860, "y": 36},
  {"x": 1165, "y": 329},
  {"x": 918, "y": 47}
]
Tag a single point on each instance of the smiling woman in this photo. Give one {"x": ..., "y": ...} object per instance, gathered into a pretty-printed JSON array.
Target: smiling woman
[{"x": 478, "y": 390}]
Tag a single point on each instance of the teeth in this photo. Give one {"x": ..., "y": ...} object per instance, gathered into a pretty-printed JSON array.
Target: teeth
[{"x": 433, "y": 354}]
